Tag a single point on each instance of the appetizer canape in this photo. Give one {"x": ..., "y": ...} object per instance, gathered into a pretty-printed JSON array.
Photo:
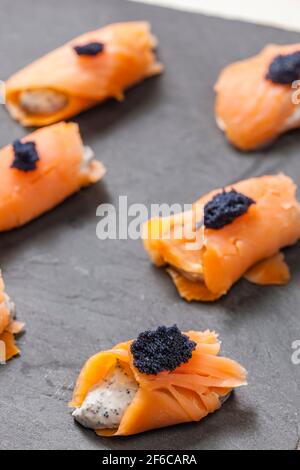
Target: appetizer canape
[
  {"x": 41, "y": 170},
  {"x": 257, "y": 98},
  {"x": 96, "y": 66},
  {"x": 9, "y": 326},
  {"x": 230, "y": 233},
  {"x": 163, "y": 378}
]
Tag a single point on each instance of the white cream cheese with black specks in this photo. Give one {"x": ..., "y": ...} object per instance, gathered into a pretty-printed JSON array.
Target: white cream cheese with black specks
[
  {"x": 105, "y": 405},
  {"x": 44, "y": 101}
]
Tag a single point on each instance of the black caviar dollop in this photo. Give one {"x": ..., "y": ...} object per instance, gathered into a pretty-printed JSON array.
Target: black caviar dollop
[
  {"x": 161, "y": 350},
  {"x": 224, "y": 208},
  {"x": 92, "y": 49},
  {"x": 25, "y": 156},
  {"x": 285, "y": 69}
]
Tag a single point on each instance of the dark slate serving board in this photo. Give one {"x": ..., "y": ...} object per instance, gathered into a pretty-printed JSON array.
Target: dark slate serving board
[{"x": 78, "y": 295}]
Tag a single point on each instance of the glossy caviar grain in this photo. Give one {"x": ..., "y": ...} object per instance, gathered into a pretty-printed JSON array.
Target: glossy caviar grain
[
  {"x": 92, "y": 49},
  {"x": 25, "y": 156},
  {"x": 164, "y": 349},
  {"x": 285, "y": 69},
  {"x": 224, "y": 208}
]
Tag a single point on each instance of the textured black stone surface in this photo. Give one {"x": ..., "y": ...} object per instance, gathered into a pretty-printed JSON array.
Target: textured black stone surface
[{"x": 79, "y": 295}]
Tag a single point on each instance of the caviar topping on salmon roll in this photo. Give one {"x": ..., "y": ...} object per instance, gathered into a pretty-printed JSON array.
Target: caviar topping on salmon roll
[
  {"x": 41, "y": 170},
  {"x": 9, "y": 326},
  {"x": 230, "y": 233},
  {"x": 257, "y": 99},
  {"x": 96, "y": 66},
  {"x": 162, "y": 378}
]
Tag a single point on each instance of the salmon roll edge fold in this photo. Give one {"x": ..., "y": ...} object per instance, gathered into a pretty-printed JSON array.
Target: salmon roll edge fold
[
  {"x": 63, "y": 83},
  {"x": 188, "y": 393},
  {"x": 250, "y": 108},
  {"x": 62, "y": 165},
  {"x": 249, "y": 246},
  {"x": 9, "y": 326}
]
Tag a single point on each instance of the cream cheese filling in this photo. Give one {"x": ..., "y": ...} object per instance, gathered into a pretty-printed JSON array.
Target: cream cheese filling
[
  {"x": 11, "y": 307},
  {"x": 105, "y": 405},
  {"x": 88, "y": 156},
  {"x": 43, "y": 101}
]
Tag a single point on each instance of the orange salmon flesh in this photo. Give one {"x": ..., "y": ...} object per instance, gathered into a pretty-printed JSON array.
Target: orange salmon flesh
[
  {"x": 84, "y": 81},
  {"x": 190, "y": 393},
  {"x": 251, "y": 110},
  {"x": 8, "y": 327},
  {"x": 248, "y": 247}
]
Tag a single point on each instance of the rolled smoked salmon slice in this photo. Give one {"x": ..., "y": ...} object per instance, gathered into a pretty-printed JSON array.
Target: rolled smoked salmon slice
[
  {"x": 93, "y": 67},
  {"x": 230, "y": 233},
  {"x": 42, "y": 170},
  {"x": 170, "y": 378},
  {"x": 9, "y": 327},
  {"x": 256, "y": 98}
]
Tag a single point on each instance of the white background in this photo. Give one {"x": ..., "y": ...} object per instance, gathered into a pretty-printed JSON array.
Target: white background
[{"x": 282, "y": 13}]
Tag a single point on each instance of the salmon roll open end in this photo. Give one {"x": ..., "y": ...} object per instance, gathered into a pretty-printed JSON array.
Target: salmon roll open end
[
  {"x": 93, "y": 67},
  {"x": 230, "y": 233},
  {"x": 257, "y": 98},
  {"x": 41, "y": 170},
  {"x": 9, "y": 326},
  {"x": 162, "y": 378}
]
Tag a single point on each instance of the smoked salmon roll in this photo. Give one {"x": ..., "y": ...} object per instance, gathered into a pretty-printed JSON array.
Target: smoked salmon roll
[
  {"x": 257, "y": 98},
  {"x": 93, "y": 67},
  {"x": 9, "y": 326},
  {"x": 41, "y": 170},
  {"x": 229, "y": 233},
  {"x": 162, "y": 378}
]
